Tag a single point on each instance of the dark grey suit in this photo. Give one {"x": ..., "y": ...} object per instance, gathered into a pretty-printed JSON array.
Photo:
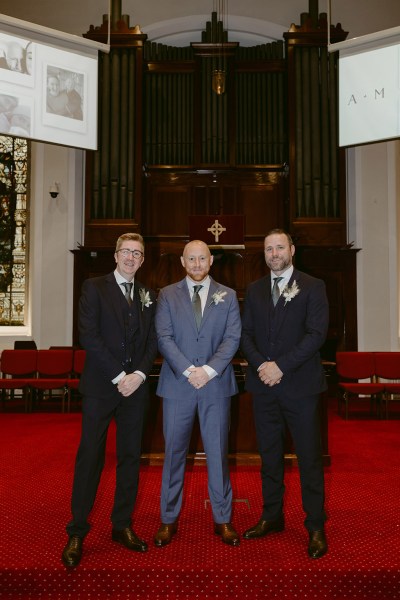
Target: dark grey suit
[
  {"x": 290, "y": 334},
  {"x": 116, "y": 338}
]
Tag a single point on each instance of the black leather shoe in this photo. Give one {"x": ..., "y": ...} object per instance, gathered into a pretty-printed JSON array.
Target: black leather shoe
[
  {"x": 72, "y": 552},
  {"x": 317, "y": 546},
  {"x": 128, "y": 538},
  {"x": 264, "y": 527},
  {"x": 165, "y": 533},
  {"x": 227, "y": 533}
]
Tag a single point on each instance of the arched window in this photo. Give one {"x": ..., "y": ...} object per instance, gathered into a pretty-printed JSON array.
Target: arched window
[{"x": 14, "y": 161}]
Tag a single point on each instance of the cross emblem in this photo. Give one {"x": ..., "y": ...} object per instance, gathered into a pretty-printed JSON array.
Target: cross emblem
[{"x": 216, "y": 229}]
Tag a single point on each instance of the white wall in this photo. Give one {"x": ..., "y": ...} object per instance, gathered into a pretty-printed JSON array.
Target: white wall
[
  {"x": 373, "y": 188},
  {"x": 73, "y": 16},
  {"x": 55, "y": 229}
]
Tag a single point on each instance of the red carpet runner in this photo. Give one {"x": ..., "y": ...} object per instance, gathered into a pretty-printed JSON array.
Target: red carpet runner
[{"x": 363, "y": 503}]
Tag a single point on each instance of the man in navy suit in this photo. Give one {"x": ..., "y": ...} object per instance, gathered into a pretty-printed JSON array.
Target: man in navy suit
[
  {"x": 197, "y": 377},
  {"x": 116, "y": 328},
  {"x": 283, "y": 330}
]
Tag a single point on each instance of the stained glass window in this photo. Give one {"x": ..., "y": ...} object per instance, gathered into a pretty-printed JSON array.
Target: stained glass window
[{"x": 14, "y": 160}]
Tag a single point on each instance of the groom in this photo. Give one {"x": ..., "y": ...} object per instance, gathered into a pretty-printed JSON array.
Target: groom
[{"x": 198, "y": 330}]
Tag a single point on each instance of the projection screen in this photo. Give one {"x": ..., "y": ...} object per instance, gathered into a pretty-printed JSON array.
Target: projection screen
[{"x": 48, "y": 84}]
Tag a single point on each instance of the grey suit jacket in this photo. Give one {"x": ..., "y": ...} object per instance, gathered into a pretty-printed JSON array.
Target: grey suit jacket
[{"x": 181, "y": 345}]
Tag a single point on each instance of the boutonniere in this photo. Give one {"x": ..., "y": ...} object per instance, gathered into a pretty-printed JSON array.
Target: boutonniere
[
  {"x": 290, "y": 292},
  {"x": 218, "y": 297},
  {"x": 144, "y": 298}
]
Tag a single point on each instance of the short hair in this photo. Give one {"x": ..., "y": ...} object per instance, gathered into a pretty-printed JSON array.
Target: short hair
[
  {"x": 278, "y": 231},
  {"x": 129, "y": 237}
]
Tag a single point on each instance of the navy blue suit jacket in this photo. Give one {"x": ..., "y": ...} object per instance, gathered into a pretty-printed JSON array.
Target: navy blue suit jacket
[
  {"x": 102, "y": 333},
  {"x": 290, "y": 334}
]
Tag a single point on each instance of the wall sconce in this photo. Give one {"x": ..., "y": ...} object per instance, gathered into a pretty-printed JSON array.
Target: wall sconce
[{"x": 54, "y": 189}]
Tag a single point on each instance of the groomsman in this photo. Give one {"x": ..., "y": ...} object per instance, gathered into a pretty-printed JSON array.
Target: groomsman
[
  {"x": 116, "y": 328},
  {"x": 285, "y": 322}
]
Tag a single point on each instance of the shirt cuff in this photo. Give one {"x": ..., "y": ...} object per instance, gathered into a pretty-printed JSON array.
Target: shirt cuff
[
  {"x": 142, "y": 375},
  {"x": 187, "y": 372},
  {"x": 210, "y": 371},
  {"x": 118, "y": 378}
]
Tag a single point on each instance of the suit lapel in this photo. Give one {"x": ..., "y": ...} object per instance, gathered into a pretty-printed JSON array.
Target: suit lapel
[
  {"x": 209, "y": 305},
  {"x": 281, "y": 308},
  {"x": 138, "y": 309},
  {"x": 184, "y": 296},
  {"x": 116, "y": 297}
]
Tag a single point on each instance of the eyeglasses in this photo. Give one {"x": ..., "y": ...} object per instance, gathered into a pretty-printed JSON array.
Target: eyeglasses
[{"x": 125, "y": 252}]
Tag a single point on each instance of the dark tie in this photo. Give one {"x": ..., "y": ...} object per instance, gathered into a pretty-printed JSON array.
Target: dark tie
[
  {"x": 128, "y": 289},
  {"x": 275, "y": 290},
  {"x": 197, "y": 304}
]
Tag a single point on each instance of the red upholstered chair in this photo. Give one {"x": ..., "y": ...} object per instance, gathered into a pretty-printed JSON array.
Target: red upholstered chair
[
  {"x": 387, "y": 367},
  {"x": 77, "y": 368},
  {"x": 356, "y": 372},
  {"x": 18, "y": 367},
  {"x": 53, "y": 371}
]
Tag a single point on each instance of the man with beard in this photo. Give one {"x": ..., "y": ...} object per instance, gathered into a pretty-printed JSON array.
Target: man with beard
[
  {"x": 198, "y": 331},
  {"x": 285, "y": 322}
]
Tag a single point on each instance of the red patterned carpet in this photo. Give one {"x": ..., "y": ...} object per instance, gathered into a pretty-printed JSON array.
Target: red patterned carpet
[{"x": 363, "y": 503}]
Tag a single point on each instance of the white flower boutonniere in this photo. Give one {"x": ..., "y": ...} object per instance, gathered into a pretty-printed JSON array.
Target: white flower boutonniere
[
  {"x": 290, "y": 292},
  {"x": 144, "y": 298},
  {"x": 218, "y": 297}
]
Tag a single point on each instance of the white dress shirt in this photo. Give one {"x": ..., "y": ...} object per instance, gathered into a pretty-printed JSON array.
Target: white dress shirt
[{"x": 203, "y": 293}]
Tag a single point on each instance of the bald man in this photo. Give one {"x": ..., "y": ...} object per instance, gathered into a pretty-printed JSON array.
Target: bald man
[{"x": 198, "y": 330}]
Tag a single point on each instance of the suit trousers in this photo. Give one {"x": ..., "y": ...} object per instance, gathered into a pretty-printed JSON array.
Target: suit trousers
[
  {"x": 178, "y": 419},
  {"x": 97, "y": 414},
  {"x": 272, "y": 412}
]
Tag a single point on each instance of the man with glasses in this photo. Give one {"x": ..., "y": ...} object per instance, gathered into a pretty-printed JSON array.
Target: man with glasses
[{"x": 116, "y": 328}]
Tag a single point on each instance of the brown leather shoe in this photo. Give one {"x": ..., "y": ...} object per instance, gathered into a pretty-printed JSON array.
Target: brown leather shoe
[
  {"x": 128, "y": 538},
  {"x": 227, "y": 533},
  {"x": 317, "y": 546},
  {"x": 165, "y": 533},
  {"x": 264, "y": 527},
  {"x": 72, "y": 552}
]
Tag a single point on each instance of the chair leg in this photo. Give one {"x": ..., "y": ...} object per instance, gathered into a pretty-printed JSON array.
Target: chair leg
[{"x": 65, "y": 397}]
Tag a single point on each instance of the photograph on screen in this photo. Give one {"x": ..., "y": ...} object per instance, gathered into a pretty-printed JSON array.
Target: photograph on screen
[
  {"x": 16, "y": 60},
  {"x": 48, "y": 87},
  {"x": 15, "y": 115},
  {"x": 63, "y": 98}
]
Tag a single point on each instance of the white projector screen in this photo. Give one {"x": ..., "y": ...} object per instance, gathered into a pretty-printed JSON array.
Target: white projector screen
[
  {"x": 369, "y": 91},
  {"x": 48, "y": 85}
]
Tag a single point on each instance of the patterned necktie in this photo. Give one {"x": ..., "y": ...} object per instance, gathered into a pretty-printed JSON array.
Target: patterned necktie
[
  {"x": 275, "y": 290},
  {"x": 196, "y": 302},
  {"x": 128, "y": 289}
]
